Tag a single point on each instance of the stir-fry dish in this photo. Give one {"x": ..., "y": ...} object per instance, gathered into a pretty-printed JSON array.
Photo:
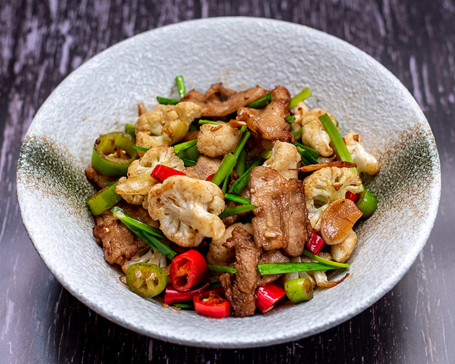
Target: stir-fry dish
[{"x": 229, "y": 203}]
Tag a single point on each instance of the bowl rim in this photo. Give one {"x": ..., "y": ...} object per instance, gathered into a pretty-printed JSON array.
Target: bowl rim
[{"x": 387, "y": 285}]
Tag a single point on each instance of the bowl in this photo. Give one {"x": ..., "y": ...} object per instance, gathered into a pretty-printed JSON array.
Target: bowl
[{"x": 102, "y": 96}]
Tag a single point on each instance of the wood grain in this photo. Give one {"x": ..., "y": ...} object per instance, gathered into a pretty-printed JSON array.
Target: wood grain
[{"x": 41, "y": 42}]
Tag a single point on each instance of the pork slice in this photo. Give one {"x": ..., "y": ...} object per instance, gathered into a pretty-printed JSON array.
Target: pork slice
[
  {"x": 271, "y": 257},
  {"x": 205, "y": 166},
  {"x": 271, "y": 123},
  {"x": 281, "y": 220},
  {"x": 240, "y": 289},
  {"x": 220, "y": 101},
  {"x": 97, "y": 178},
  {"x": 119, "y": 243}
]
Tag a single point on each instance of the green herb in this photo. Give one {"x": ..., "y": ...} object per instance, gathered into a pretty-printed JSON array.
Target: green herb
[
  {"x": 310, "y": 255},
  {"x": 231, "y": 211},
  {"x": 181, "y": 85},
  {"x": 301, "y": 96},
  {"x": 221, "y": 268},
  {"x": 166, "y": 101},
  {"x": 281, "y": 268},
  {"x": 262, "y": 102}
]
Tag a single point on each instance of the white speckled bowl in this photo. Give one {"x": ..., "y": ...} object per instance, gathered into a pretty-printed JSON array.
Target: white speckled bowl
[{"x": 101, "y": 96}]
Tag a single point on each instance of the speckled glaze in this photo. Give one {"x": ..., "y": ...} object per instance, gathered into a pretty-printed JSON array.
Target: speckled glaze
[{"x": 102, "y": 96}]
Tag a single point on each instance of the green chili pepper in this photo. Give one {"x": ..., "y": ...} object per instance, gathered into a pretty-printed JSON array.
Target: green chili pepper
[
  {"x": 299, "y": 290},
  {"x": 146, "y": 280},
  {"x": 262, "y": 102},
  {"x": 301, "y": 96},
  {"x": 113, "y": 153},
  {"x": 130, "y": 129},
  {"x": 103, "y": 200}
]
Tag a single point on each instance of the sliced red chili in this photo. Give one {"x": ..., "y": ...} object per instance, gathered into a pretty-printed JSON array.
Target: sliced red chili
[
  {"x": 211, "y": 303},
  {"x": 187, "y": 270},
  {"x": 209, "y": 178},
  {"x": 171, "y": 295},
  {"x": 268, "y": 295},
  {"x": 351, "y": 196},
  {"x": 160, "y": 172},
  {"x": 315, "y": 243}
]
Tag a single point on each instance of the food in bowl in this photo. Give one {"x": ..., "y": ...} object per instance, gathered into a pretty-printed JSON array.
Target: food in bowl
[{"x": 226, "y": 202}]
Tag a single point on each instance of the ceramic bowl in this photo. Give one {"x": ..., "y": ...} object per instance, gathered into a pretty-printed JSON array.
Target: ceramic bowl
[{"x": 102, "y": 96}]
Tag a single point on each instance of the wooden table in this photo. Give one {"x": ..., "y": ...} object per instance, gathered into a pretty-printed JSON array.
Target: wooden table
[{"x": 41, "y": 42}]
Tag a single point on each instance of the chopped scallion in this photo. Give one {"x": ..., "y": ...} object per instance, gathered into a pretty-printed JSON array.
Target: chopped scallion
[
  {"x": 183, "y": 146},
  {"x": 167, "y": 101},
  {"x": 301, "y": 96},
  {"x": 262, "y": 102},
  {"x": 310, "y": 255},
  {"x": 180, "y": 85},
  {"x": 225, "y": 169},
  {"x": 281, "y": 268},
  {"x": 235, "y": 210},
  {"x": 221, "y": 268},
  {"x": 140, "y": 148},
  {"x": 201, "y": 122},
  {"x": 235, "y": 198}
]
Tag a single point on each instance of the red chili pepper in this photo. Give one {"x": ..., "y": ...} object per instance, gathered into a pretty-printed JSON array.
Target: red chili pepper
[
  {"x": 187, "y": 270},
  {"x": 211, "y": 304},
  {"x": 209, "y": 178},
  {"x": 171, "y": 295},
  {"x": 351, "y": 196},
  {"x": 268, "y": 295},
  {"x": 315, "y": 243},
  {"x": 160, "y": 172}
]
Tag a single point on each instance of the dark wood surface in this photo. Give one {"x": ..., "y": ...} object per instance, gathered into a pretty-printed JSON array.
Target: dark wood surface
[{"x": 42, "y": 41}]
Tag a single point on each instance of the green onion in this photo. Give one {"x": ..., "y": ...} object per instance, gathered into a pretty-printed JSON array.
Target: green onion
[
  {"x": 281, "y": 268},
  {"x": 367, "y": 203},
  {"x": 188, "y": 162},
  {"x": 152, "y": 241},
  {"x": 307, "y": 157},
  {"x": 235, "y": 198},
  {"x": 290, "y": 118},
  {"x": 166, "y": 101},
  {"x": 242, "y": 130},
  {"x": 193, "y": 127},
  {"x": 130, "y": 129},
  {"x": 231, "y": 211},
  {"x": 242, "y": 143},
  {"x": 181, "y": 85},
  {"x": 309, "y": 150},
  {"x": 298, "y": 132},
  {"x": 120, "y": 214},
  {"x": 301, "y": 96},
  {"x": 336, "y": 138},
  {"x": 266, "y": 154},
  {"x": 240, "y": 167},
  {"x": 191, "y": 153},
  {"x": 103, "y": 199},
  {"x": 201, "y": 122},
  {"x": 310, "y": 255},
  {"x": 183, "y": 146},
  {"x": 240, "y": 184},
  {"x": 184, "y": 305},
  {"x": 221, "y": 268},
  {"x": 262, "y": 102},
  {"x": 140, "y": 148},
  {"x": 225, "y": 169}
]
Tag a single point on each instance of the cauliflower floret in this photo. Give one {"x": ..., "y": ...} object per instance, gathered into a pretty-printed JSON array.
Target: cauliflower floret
[
  {"x": 284, "y": 159},
  {"x": 135, "y": 188},
  {"x": 364, "y": 160},
  {"x": 187, "y": 209},
  {"x": 217, "y": 140},
  {"x": 313, "y": 133},
  {"x": 220, "y": 254},
  {"x": 325, "y": 186},
  {"x": 151, "y": 256},
  {"x": 165, "y": 124}
]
